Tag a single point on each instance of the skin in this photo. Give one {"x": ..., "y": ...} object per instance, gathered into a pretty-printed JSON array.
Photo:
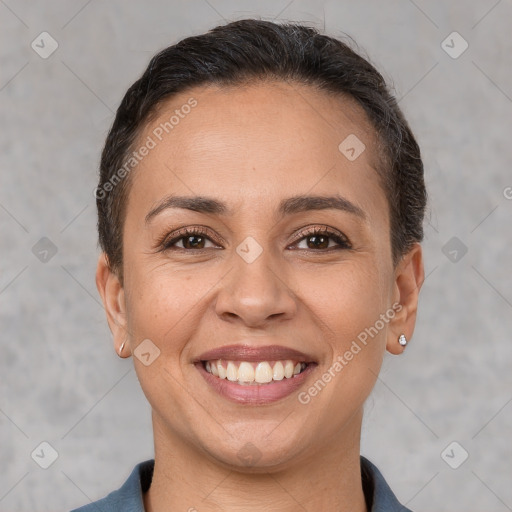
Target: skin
[{"x": 252, "y": 147}]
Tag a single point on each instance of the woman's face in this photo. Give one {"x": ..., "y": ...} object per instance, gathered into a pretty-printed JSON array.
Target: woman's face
[{"x": 256, "y": 275}]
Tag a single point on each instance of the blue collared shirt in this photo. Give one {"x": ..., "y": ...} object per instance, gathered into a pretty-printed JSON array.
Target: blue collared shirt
[{"x": 128, "y": 498}]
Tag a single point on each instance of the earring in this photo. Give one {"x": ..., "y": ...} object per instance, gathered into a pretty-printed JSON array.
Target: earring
[
  {"x": 402, "y": 340},
  {"x": 121, "y": 348}
]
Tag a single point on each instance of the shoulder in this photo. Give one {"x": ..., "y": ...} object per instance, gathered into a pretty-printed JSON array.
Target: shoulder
[
  {"x": 378, "y": 494},
  {"x": 128, "y": 498}
]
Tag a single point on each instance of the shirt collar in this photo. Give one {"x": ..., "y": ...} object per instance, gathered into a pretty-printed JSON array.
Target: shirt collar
[{"x": 378, "y": 494}]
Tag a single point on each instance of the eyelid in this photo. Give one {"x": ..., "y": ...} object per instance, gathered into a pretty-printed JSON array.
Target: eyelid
[
  {"x": 321, "y": 229},
  {"x": 165, "y": 241}
]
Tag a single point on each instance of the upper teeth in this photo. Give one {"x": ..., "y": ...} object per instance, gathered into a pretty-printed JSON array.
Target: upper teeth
[{"x": 261, "y": 372}]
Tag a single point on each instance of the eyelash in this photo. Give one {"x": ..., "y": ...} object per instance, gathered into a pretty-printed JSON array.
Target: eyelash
[{"x": 342, "y": 241}]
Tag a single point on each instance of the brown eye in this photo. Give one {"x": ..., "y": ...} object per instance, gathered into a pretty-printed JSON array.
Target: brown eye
[
  {"x": 190, "y": 239},
  {"x": 319, "y": 239},
  {"x": 193, "y": 242}
]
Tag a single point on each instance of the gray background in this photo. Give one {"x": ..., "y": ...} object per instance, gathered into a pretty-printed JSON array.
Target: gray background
[{"x": 60, "y": 380}]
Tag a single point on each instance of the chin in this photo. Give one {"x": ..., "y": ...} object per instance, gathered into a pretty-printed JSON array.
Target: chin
[{"x": 255, "y": 457}]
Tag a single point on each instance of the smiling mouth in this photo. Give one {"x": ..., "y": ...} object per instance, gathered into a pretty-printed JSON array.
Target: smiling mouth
[{"x": 254, "y": 373}]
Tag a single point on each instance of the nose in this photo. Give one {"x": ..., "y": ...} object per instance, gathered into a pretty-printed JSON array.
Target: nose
[{"x": 255, "y": 293}]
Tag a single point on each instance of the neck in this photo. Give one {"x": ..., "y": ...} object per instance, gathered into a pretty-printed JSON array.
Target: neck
[{"x": 328, "y": 479}]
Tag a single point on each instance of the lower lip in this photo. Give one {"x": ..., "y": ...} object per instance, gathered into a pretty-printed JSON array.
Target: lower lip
[{"x": 255, "y": 394}]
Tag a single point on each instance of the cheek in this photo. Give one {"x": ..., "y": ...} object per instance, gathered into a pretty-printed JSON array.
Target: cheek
[
  {"x": 166, "y": 305},
  {"x": 154, "y": 306},
  {"x": 160, "y": 308},
  {"x": 348, "y": 297},
  {"x": 348, "y": 304}
]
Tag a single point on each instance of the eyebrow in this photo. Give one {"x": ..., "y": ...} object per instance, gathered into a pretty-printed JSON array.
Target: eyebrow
[{"x": 288, "y": 206}]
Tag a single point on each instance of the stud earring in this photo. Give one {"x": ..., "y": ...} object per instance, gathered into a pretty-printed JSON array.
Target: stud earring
[
  {"x": 121, "y": 348},
  {"x": 402, "y": 340}
]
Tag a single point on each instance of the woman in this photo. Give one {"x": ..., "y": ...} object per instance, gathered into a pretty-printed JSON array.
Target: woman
[{"x": 260, "y": 206}]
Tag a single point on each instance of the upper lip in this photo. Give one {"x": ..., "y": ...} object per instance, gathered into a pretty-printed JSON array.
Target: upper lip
[{"x": 253, "y": 353}]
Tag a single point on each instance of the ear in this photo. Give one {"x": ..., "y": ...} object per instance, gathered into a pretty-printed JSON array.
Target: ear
[
  {"x": 112, "y": 295},
  {"x": 409, "y": 277}
]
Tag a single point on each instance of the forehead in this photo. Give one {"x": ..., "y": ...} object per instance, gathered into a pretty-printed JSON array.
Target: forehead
[
  {"x": 258, "y": 140},
  {"x": 262, "y": 109}
]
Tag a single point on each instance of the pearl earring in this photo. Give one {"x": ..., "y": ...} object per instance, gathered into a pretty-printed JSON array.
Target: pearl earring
[{"x": 402, "y": 340}]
